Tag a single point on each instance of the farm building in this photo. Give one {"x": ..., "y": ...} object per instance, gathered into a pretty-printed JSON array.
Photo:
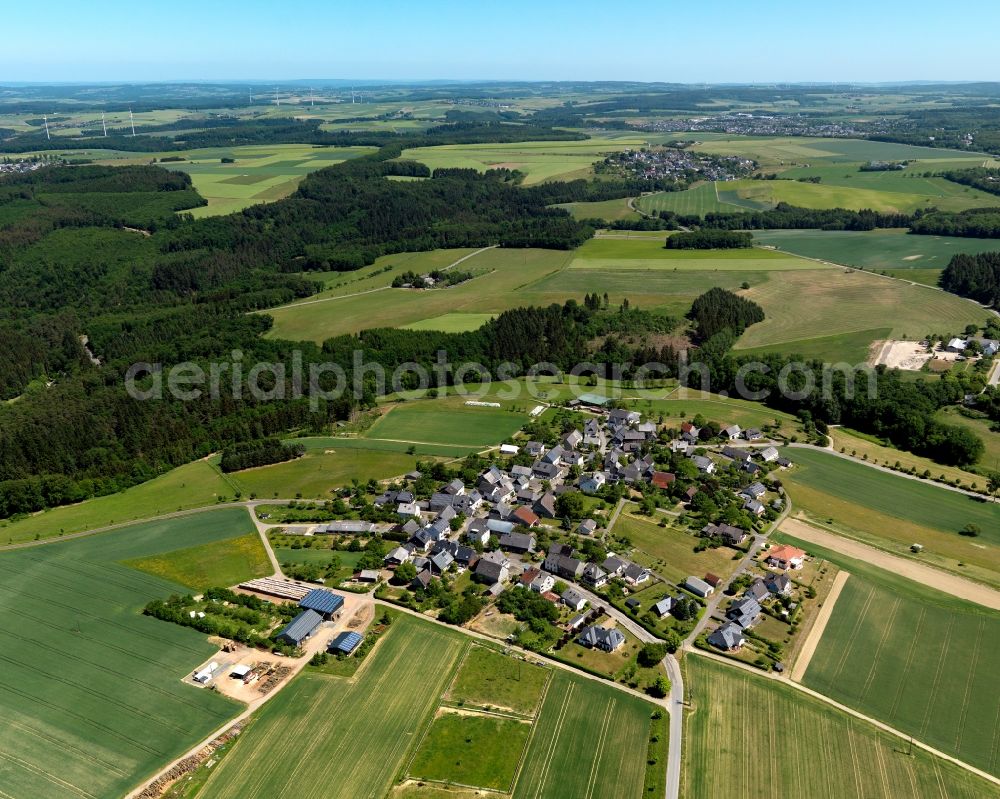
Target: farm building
[
  {"x": 345, "y": 643},
  {"x": 301, "y": 627},
  {"x": 698, "y": 587},
  {"x": 346, "y": 526},
  {"x": 206, "y": 674},
  {"x": 325, "y": 603},
  {"x": 240, "y": 671}
]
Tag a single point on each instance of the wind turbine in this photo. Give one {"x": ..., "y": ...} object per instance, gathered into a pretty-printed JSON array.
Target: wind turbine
[
  {"x": 46, "y": 119},
  {"x": 353, "y": 101},
  {"x": 104, "y": 125},
  {"x": 277, "y": 100},
  {"x": 251, "y": 95},
  {"x": 131, "y": 120}
]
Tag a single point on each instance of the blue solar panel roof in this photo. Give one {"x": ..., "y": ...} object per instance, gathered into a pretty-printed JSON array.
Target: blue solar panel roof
[
  {"x": 346, "y": 642},
  {"x": 322, "y": 601}
]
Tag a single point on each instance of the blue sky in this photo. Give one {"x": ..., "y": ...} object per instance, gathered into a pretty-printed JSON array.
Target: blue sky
[{"x": 663, "y": 40}]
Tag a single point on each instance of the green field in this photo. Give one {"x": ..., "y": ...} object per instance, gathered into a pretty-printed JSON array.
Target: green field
[
  {"x": 218, "y": 563},
  {"x": 452, "y": 322},
  {"x": 316, "y": 473},
  {"x": 447, "y": 421},
  {"x": 876, "y": 249},
  {"x": 483, "y": 751},
  {"x": 539, "y": 161},
  {"x": 892, "y": 512},
  {"x": 489, "y": 679},
  {"x": 91, "y": 698},
  {"x": 700, "y": 200},
  {"x": 261, "y": 173},
  {"x": 840, "y": 304},
  {"x": 608, "y": 210},
  {"x": 687, "y": 403},
  {"x": 847, "y": 347},
  {"x": 917, "y": 660},
  {"x": 193, "y": 485},
  {"x": 751, "y": 737},
  {"x": 650, "y": 253},
  {"x": 325, "y": 737},
  {"x": 589, "y": 741}
]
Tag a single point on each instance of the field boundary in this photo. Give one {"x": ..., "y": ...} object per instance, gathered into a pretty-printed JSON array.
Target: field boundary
[
  {"x": 929, "y": 576},
  {"x": 816, "y": 633}
]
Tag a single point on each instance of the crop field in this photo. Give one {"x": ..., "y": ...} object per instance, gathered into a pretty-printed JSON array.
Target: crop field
[
  {"x": 324, "y": 737},
  {"x": 316, "y": 473},
  {"x": 487, "y": 678},
  {"x": 912, "y": 180},
  {"x": 732, "y": 707},
  {"x": 918, "y": 660},
  {"x": 700, "y": 200},
  {"x": 891, "y": 512},
  {"x": 261, "y": 173},
  {"x": 803, "y": 306},
  {"x": 193, "y": 485},
  {"x": 447, "y": 421},
  {"x": 674, "y": 549},
  {"x": 539, "y": 161},
  {"x": 850, "y": 348},
  {"x": 202, "y": 566},
  {"x": 876, "y": 249},
  {"x": 91, "y": 698},
  {"x": 585, "y": 716}
]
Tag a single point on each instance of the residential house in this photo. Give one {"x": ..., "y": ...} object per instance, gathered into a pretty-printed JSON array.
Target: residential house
[
  {"x": 456, "y": 488},
  {"x": 587, "y": 527},
  {"x": 408, "y": 509},
  {"x": 593, "y": 483},
  {"x": 785, "y": 557},
  {"x": 778, "y": 584},
  {"x": 397, "y": 556},
  {"x": 745, "y": 611},
  {"x": 478, "y": 532},
  {"x": 732, "y": 536},
  {"x": 593, "y": 575},
  {"x": 754, "y": 506},
  {"x": 662, "y": 480},
  {"x": 493, "y": 567},
  {"x": 546, "y": 506},
  {"x": 421, "y": 581},
  {"x": 736, "y": 454},
  {"x": 535, "y": 449},
  {"x": 525, "y": 516},
  {"x": 754, "y": 491},
  {"x": 441, "y": 561},
  {"x": 606, "y": 639},
  {"x": 517, "y": 542},
  {"x": 690, "y": 433},
  {"x": 542, "y": 583},
  {"x": 732, "y": 432},
  {"x": 664, "y": 606},
  {"x": 635, "y": 574},
  {"x": 758, "y": 590},
  {"x": 728, "y": 637},
  {"x": 753, "y": 434},
  {"x": 705, "y": 465},
  {"x": 572, "y": 440},
  {"x": 573, "y": 599},
  {"x": 614, "y": 566},
  {"x": 769, "y": 454}
]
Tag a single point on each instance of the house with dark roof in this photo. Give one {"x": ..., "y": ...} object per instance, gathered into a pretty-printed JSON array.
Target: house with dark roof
[
  {"x": 300, "y": 628},
  {"x": 664, "y": 606},
  {"x": 705, "y": 465},
  {"x": 478, "y": 532},
  {"x": 745, "y": 611},
  {"x": 587, "y": 527},
  {"x": 733, "y": 536},
  {"x": 606, "y": 639},
  {"x": 493, "y": 567},
  {"x": 325, "y": 603},
  {"x": 517, "y": 542},
  {"x": 778, "y": 584},
  {"x": 635, "y": 574},
  {"x": 573, "y": 599},
  {"x": 758, "y": 590},
  {"x": 546, "y": 506},
  {"x": 755, "y": 507},
  {"x": 728, "y": 637},
  {"x": 593, "y": 575}
]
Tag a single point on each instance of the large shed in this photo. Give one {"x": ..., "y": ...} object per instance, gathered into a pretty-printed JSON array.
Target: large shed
[
  {"x": 325, "y": 603},
  {"x": 301, "y": 627},
  {"x": 345, "y": 643}
]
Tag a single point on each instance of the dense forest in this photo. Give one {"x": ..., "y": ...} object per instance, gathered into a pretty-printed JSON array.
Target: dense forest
[
  {"x": 974, "y": 276},
  {"x": 710, "y": 240},
  {"x": 719, "y": 310},
  {"x": 788, "y": 217},
  {"x": 981, "y": 223},
  {"x": 249, "y": 454}
]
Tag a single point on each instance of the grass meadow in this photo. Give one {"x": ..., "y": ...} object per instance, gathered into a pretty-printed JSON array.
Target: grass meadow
[
  {"x": 916, "y": 659},
  {"x": 700, "y": 200},
  {"x": 202, "y": 566},
  {"x": 447, "y": 421},
  {"x": 193, "y": 485},
  {"x": 91, "y": 698},
  {"x": 744, "y": 730},
  {"x": 892, "y": 512},
  {"x": 488, "y": 679},
  {"x": 608, "y": 210}
]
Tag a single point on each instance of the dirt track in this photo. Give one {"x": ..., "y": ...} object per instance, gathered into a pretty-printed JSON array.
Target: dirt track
[
  {"x": 816, "y": 633},
  {"x": 926, "y": 575}
]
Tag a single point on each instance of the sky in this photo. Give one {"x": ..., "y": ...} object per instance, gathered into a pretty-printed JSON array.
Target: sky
[{"x": 710, "y": 41}]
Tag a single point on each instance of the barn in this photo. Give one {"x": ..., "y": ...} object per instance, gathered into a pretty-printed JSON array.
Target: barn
[
  {"x": 301, "y": 627},
  {"x": 345, "y": 643},
  {"x": 325, "y": 603}
]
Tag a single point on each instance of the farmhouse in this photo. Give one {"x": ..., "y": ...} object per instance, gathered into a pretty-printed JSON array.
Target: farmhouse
[
  {"x": 607, "y": 639},
  {"x": 785, "y": 557},
  {"x": 300, "y": 628}
]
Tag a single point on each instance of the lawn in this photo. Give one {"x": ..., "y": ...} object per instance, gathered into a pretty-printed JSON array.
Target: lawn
[
  {"x": 608, "y": 210},
  {"x": 325, "y": 737},
  {"x": 447, "y": 421},
  {"x": 452, "y": 322},
  {"x": 328, "y": 444},
  {"x": 748, "y": 736},
  {"x": 489, "y": 679},
  {"x": 315, "y": 474},
  {"x": 91, "y": 698},
  {"x": 805, "y": 306},
  {"x": 673, "y": 549},
  {"x": 217, "y": 563},
  {"x": 684, "y": 403},
  {"x": 585, "y": 719},
  {"x": 852, "y": 348},
  {"x": 477, "y": 750},
  {"x": 891, "y": 512},
  {"x": 876, "y": 249},
  {"x": 917, "y": 660},
  {"x": 193, "y": 485}
]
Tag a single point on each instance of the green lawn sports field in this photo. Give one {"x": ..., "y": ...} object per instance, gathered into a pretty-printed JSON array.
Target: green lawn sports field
[
  {"x": 91, "y": 698},
  {"x": 325, "y": 737},
  {"x": 748, "y": 736},
  {"x": 918, "y": 660}
]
